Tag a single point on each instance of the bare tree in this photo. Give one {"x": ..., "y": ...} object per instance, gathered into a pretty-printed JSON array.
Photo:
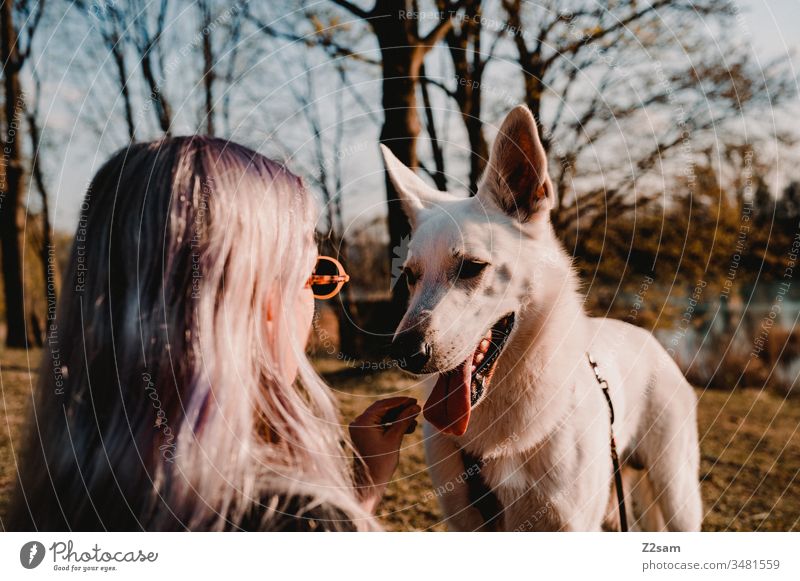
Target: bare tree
[
  {"x": 106, "y": 19},
  {"x": 591, "y": 70},
  {"x": 220, "y": 34},
  {"x": 132, "y": 33},
  {"x": 395, "y": 26},
  {"x": 467, "y": 45},
  {"x": 46, "y": 248},
  {"x": 403, "y": 48},
  {"x": 209, "y": 73},
  {"x": 438, "y": 174},
  {"x": 326, "y": 172},
  {"x": 16, "y": 47},
  {"x": 147, "y": 34},
  {"x": 229, "y": 73},
  {"x": 148, "y": 45}
]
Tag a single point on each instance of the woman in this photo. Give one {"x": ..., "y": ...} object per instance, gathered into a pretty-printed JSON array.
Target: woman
[{"x": 175, "y": 393}]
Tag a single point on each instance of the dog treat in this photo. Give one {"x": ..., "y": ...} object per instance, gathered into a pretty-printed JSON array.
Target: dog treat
[{"x": 390, "y": 417}]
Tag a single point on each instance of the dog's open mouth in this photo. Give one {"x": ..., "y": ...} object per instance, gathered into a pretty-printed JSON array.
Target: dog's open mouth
[{"x": 458, "y": 390}]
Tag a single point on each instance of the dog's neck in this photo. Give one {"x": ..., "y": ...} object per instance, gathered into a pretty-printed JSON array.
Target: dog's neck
[{"x": 535, "y": 378}]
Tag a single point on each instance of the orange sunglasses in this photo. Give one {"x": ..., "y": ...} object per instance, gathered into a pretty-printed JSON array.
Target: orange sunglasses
[{"x": 328, "y": 278}]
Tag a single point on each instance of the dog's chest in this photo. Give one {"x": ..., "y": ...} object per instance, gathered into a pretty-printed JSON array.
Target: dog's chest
[
  {"x": 541, "y": 469},
  {"x": 528, "y": 488},
  {"x": 541, "y": 489}
]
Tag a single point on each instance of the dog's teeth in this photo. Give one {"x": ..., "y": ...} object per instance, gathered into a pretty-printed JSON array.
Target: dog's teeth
[
  {"x": 472, "y": 369},
  {"x": 479, "y": 357},
  {"x": 484, "y": 345}
]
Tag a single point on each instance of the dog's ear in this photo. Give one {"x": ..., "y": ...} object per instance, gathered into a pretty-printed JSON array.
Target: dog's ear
[
  {"x": 516, "y": 176},
  {"x": 415, "y": 195}
]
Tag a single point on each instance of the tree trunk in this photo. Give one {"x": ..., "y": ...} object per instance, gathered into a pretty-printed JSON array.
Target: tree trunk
[
  {"x": 402, "y": 53},
  {"x": 401, "y": 60},
  {"x": 47, "y": 250},
  {"x": 439, "y": 174},
  {"x": 162, "y": 108},
  {"x": 349, "y": 334},
  {"x": 479, "y": 151},
  {"x": 533, "y": 96},
  {"x": 116, "y": 49},
  {"x": 468, "y": 87},
  {"x": 208, "y": 66},
  {"x": 348, "y": 331},
  {"x": 9, "y": 207}
]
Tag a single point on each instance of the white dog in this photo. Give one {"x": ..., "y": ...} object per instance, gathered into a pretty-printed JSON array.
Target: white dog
[{"x": 495, "y": 315}]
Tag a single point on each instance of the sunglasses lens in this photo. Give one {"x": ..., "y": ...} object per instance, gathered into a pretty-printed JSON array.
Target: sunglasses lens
[{"x": 325, "y": 268}]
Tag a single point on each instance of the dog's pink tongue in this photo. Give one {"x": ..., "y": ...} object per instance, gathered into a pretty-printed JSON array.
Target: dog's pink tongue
[{"x": 448, "y": 406}]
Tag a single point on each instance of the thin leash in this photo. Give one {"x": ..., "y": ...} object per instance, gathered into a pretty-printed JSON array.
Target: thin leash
[{"x": 623, "y": 519}]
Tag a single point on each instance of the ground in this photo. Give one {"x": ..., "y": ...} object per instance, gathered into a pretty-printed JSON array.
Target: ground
[{"x": 750, "y": 444}]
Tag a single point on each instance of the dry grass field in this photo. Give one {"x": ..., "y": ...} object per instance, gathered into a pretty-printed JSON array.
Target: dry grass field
[{"x": 750, "y": 448}]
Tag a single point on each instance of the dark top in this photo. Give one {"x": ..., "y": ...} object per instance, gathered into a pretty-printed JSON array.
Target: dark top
[{"x": 296, "y": 515}]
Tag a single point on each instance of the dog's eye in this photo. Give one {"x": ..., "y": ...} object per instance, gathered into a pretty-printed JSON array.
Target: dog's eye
[
  {"x": 471, "y": 268},
  {"x": 411, "y": 277}
]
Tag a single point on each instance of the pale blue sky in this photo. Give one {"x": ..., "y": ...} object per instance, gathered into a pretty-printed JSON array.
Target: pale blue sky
[
  {"x": 772, "y": 27},
  {"x": 775, "y": 24}
]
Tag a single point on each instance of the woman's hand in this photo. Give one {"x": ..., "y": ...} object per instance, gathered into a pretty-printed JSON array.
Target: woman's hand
[{"x": 376, "y": 435}]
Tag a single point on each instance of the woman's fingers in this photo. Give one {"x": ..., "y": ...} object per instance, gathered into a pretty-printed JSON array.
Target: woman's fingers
[
  {"x": 404, "y": 421},
  {"x": 375, "y": 413},
  {"x": 377, "y": 434},
  {"x": 391, "y": 402}
]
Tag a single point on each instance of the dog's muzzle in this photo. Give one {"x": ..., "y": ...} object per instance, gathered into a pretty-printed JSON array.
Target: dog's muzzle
[{"x": 411, "y": 351}]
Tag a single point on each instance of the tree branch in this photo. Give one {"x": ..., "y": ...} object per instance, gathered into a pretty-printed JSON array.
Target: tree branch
[
  {"x": 353, "y": 9},
  {"x": 334, "y": 49},
  {"x": 600, "y": 33},
  {"x": 513, "y": 8},
  {"x": 439, "y": 85},
  {"x": 31, "y": 26},
  {"x": 442, "y": 28},
  {"x": 440, "y": 177}
]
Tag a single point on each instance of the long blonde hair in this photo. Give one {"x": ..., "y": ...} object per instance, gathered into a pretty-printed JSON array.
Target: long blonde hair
[{"x": 162, "y": 404}]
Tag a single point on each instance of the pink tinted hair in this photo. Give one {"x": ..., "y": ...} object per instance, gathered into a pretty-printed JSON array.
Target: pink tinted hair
[{"x": 162, "y": 403}]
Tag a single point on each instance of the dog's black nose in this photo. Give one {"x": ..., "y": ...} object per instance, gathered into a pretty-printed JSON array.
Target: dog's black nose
[{"x": 411, "y": 351}]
